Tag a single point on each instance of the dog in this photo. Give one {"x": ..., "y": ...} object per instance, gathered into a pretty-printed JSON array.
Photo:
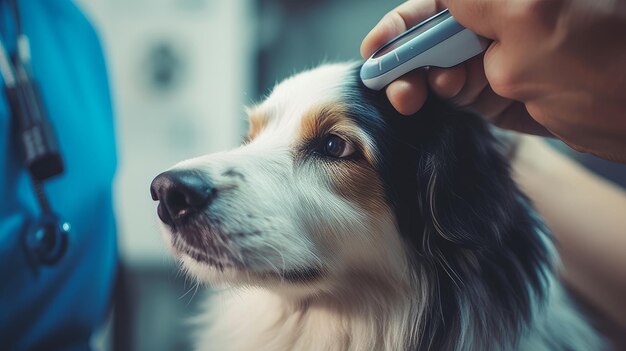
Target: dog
[{"x": 341, "y": 225}]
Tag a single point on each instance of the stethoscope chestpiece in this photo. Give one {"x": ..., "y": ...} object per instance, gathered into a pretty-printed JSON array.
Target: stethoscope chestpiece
[{"x": 46, "y": 239}]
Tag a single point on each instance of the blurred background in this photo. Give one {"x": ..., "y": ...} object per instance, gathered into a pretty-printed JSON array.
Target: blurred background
[{"x": 181, "y": 73}]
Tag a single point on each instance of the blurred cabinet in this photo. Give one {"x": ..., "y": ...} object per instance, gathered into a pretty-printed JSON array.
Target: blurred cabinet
[{"x": 180, "y": 73}]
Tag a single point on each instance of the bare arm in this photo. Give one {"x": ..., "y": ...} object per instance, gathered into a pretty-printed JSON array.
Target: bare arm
[{"x": 588, "y": 217}]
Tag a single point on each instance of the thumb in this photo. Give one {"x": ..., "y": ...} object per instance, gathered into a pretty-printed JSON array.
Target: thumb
[
  {"x": 397, "y": 21},
  {"x": 483, "y": 17}
]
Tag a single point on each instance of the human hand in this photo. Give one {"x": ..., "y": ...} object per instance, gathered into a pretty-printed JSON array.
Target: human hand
[{"x": 555, "y": 67}]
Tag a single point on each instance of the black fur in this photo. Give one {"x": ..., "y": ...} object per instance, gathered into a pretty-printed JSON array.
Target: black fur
[{"x": 473, "y": 232}]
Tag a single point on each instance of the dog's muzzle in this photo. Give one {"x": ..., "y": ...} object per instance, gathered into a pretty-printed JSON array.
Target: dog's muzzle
[{"x": 182, "y": 194}]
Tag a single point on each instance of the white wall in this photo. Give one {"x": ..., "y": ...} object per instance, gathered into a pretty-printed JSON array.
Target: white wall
[{"x": 199, "y": 110}]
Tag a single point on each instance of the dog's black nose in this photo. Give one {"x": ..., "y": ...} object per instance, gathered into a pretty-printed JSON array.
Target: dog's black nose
[{"x": 180, "y": 193}]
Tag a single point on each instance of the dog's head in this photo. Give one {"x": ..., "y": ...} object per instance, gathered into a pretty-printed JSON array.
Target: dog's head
[
  {"x": 301, "y": 202},
  {"x": 334, "y": 191}
]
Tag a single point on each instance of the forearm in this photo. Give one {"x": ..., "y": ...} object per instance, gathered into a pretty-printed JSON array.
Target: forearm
[{"x": 588, "y": 218}]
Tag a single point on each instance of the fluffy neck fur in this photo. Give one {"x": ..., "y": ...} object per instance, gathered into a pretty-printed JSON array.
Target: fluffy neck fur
[
  {"x": 379, "y": 316},
  {"x": 381, "y": 319}
]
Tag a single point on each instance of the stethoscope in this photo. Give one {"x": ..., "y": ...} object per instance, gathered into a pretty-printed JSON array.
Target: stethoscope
[{"x": 45, "y": 240}]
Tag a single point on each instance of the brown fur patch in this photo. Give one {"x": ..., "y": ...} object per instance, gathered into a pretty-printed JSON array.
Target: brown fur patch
[
  {"x": 359, "y": 182},
  {"x": 331, "y": 119},
  {"x": 257, "y": 122},
  {"x": 355, "y": 179}
]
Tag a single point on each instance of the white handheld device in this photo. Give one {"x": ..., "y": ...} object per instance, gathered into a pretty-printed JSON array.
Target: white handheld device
[{"x": 439, "y": 41}]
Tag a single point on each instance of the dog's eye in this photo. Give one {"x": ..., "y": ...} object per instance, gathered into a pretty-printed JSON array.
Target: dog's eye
[{"x": 335, "y": 146}]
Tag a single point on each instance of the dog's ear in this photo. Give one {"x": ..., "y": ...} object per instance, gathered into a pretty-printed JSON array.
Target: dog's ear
[
  {"x": 468, "y": 196},
  {"x": 480, "y": 252},
  {"x": 461, "y": 186},
  {"x": 460, "y": 189},
  {"x": 470, "y": 226}
]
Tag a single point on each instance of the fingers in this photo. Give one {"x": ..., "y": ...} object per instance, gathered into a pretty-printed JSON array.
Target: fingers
[
  {"x": 398, "y": 21},
  {"x": 408, "y": 93},
  {"x": 462, "y": 84},
  {"x": 475, "y": 82},
  {"x": 447, "y": 83},
  {"x": 467, "y": 86}
]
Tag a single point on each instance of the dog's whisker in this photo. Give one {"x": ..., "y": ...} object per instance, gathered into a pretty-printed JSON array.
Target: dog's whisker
[
  {"x": 187, "y": 292},
  {"x": 194, "y": 292}
]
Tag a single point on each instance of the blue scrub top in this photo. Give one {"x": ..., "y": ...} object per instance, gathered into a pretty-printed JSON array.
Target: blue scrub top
[{"x": 58, "y": 307}]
